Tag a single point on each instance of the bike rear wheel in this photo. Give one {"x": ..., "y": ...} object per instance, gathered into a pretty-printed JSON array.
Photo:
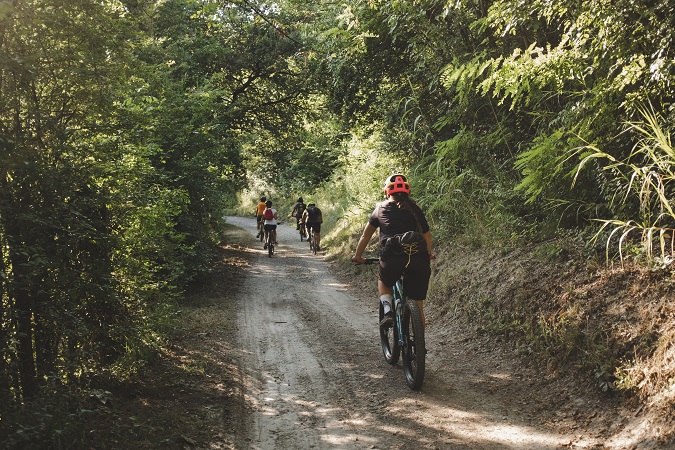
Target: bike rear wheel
[
  {"x": 389, "y": 341},
  {"x": 414, "y": 347}
]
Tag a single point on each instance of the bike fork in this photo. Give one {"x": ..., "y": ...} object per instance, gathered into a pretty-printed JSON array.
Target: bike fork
[
  {"x": 398, "y": 316},
  {"x": 399, "y": 330}
]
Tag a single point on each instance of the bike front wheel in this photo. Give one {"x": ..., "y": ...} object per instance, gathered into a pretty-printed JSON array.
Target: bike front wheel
[
  {"x": 414, "y": 348},
  {"x": 389, "y": 341}
]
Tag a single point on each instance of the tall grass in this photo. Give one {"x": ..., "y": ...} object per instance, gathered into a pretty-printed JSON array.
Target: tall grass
[
  {"x": 648, "y": 176},
  {"x": 479, "y": 209}
]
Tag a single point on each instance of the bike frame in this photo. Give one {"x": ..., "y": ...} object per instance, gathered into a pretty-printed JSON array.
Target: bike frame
[
  {"x": 406, "y": 336},
  {"x": 399, "y": 303},
  {"x": 269, "y": 241},
  {"x": 312, "y": 240}
]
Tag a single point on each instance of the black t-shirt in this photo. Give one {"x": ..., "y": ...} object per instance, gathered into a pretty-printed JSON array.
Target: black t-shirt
[
  {"x": 298, "y": 209},
  {"x": 392, "y": 220},
  {"x": 313, "y": 214}
]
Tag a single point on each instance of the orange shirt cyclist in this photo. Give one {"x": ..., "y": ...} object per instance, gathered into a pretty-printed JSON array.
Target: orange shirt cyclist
[{"x": 259, "y": 213}]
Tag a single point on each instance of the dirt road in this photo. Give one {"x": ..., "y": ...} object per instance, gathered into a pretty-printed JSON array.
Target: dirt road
[{"x": 311, "y": 373}]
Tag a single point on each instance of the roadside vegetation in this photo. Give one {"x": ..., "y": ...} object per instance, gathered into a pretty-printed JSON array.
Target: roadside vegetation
[{"x": 536, "y": 135}]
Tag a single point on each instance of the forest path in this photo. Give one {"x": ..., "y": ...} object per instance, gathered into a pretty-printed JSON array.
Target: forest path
[{"x": 310, "y": 372}]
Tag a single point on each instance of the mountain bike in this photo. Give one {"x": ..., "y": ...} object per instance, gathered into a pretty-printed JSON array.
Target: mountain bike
[
  {"x": 312, "y": 241},
  {"x": 406, "y": 337},
  {"x": 261, "y": 231},
  {"x": 269, "y": 243},
  {"x": 300, "y": 226}
]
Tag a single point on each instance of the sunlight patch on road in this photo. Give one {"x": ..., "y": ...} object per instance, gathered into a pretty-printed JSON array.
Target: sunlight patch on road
[
  {"x": 336, "y": 285},
  {"x": 512, "y": 434},
  {"x": 341, "y": 440},
  {"x": 475, "y": 427},
  {"x": 500, "y": 376}
]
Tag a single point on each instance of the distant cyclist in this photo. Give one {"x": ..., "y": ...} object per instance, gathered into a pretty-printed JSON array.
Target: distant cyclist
[
  {"x": 405, "y": 246},
  {"x": 298, "y": 209},
  {"x": 258, "y": 215},
  {"x": 270, "y": 225},
  {"x": 313, "y": 218}
]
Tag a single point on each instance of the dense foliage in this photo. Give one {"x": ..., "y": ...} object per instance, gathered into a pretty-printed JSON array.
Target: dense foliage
[
  {"x": 128, "y": 126},
  {"x": 492, "y": 100},
  {"x": 122, "y": 130}
]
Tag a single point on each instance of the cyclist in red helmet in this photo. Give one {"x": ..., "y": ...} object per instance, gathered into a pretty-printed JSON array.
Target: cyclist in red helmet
[
  {"x": 270, "y": 217},
  {"x": 405, "y": 245}
]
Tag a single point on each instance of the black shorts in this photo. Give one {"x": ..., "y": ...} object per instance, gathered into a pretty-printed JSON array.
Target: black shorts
[
  {"x": 258, "y": 218},
  {"x": 415, "y": 277},
  {"x": 270, "y": 227},
  {"x": 316, "y": 226}
]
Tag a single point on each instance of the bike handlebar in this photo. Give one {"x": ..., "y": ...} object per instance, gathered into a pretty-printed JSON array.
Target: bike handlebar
[{"x": 369, "y": 261}]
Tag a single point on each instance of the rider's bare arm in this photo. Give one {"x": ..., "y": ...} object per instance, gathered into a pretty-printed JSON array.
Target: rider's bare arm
[{"x": 367, "y": 234}]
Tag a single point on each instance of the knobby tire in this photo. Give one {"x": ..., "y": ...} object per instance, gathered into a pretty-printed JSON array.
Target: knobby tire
[
  {"x": 389, "y": 341},
  {"x": 312, "y": 242},
  {"x": 414, "y": 349}
]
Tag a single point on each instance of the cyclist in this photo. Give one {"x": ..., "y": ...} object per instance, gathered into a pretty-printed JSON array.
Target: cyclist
[
  {"x": 405, "y": 246},
  {"x": 258, "y": 215},
  {"x": 298, "y": 209},
  {"x": 313, "y": 218},
  {"x": 270, "y": 225}
]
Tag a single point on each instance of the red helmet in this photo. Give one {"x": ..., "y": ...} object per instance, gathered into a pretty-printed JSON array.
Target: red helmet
[{"x": 396, "y": 183}]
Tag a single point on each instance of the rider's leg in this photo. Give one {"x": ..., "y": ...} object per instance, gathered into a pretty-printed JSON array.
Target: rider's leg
[
  {"x": 318, "y": 240},
  {"x": 274, "y": 236},
  {"x": 386, "y": 294}
]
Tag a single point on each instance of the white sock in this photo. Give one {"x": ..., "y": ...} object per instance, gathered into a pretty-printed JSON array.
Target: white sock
[{"x": 386, "y": 300}]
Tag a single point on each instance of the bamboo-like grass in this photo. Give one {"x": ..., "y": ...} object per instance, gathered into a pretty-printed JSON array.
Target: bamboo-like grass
[{"x": 648, "y": 174}]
